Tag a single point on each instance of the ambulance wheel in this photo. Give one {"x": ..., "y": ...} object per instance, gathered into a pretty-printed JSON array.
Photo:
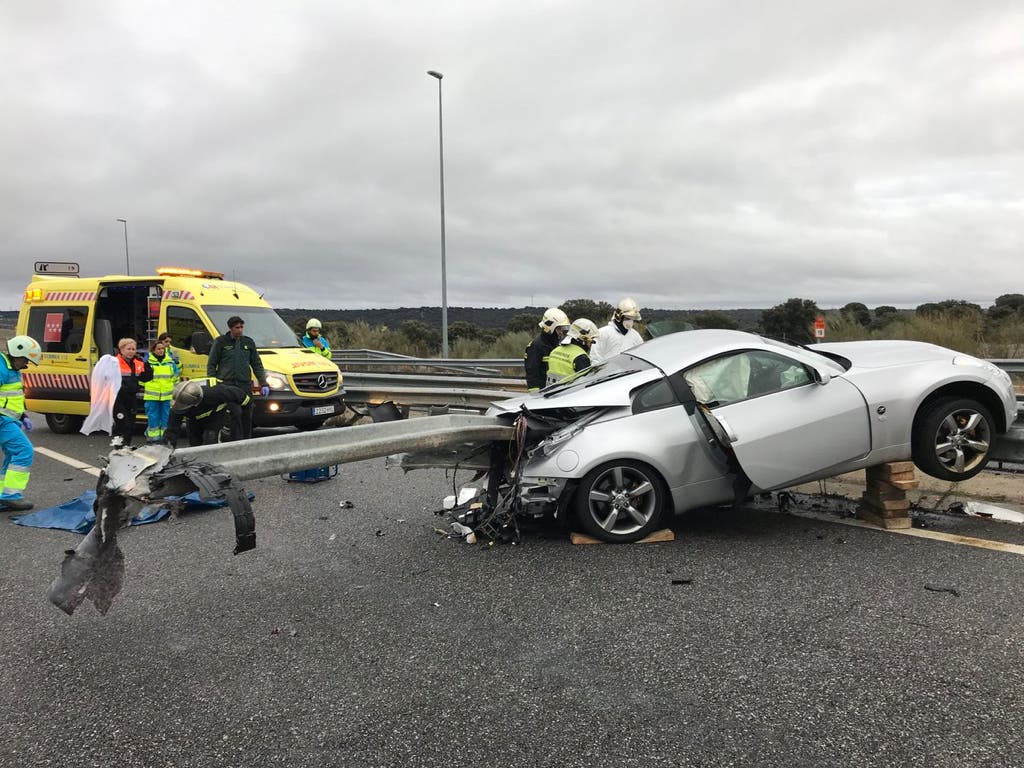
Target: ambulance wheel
[{"x": 63, "y": 423}]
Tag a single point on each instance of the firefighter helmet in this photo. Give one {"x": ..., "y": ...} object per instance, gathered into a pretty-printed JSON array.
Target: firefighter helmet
[
  {"x": 186, "y": 395},
  {"x": 553, "y": 318},
  {"x": 313, "y": 323},
  {"x": 628, "y": 309},
  {"x": 27, "y": 347},
  {"x": 584, "y": 330}
]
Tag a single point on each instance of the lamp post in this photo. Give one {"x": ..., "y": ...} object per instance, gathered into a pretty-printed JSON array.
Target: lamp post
[
  {"x": 127, "y": 268},
  {"x": 444, "y": 276}
]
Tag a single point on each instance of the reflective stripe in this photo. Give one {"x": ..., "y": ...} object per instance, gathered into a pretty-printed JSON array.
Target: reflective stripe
[{"x": 15, "y": 480}]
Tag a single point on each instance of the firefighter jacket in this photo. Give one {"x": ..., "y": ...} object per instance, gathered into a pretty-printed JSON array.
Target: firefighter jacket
[
  {"x": 216, "y": 400},
  {"x": 307, "y": 341},
  {"x": 231, "y": 359},
  {"x": 535, "y": 360},
  {"x": 12, "y": 392},
  {"x": 166, "y": 372},
  {"x": 565, "y": 360}
]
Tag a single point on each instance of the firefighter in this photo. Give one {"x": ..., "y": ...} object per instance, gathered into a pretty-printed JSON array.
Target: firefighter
[
  {"x": 206, "y": 411},
  {"x": 571, "y": 356},
  {"x": 156, "y": 395},
  {"x": 14, "y": 422},
  {"x": 313, "y": 340},
  {"x": 134, "y": 373},
  {"x": 553, "y": 327},
  {"x": 619, "y": 335}
]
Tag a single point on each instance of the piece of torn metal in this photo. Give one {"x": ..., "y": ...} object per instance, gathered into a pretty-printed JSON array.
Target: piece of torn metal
[{"x": 133, "y": 479}]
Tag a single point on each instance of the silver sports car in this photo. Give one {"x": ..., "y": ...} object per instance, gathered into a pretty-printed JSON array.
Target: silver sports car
[{"x": 710, "y": 417}]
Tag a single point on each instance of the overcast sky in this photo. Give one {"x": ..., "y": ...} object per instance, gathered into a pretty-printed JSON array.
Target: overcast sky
[{"x": 691, "y": 154}]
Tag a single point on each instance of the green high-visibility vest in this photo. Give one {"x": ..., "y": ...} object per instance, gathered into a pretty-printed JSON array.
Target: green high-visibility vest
[
  {"x": 164, "y": 379},
  {"x": 562, "y": 361},
  {"x": 12, "y": 395}
]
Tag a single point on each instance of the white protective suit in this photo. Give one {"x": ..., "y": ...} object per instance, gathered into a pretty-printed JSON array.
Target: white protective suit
[
  {"x": 610, "y": 342},
  {"x": 103, "y": 388}
]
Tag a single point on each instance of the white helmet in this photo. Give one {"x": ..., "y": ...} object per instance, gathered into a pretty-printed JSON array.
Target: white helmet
[
  {"x": 27, "y": 347},
  {"x": 584, "y": 330},
  {"x": 185, "y": 395},
  {"x": 313, "y": 323},
  {"x": 628, "y": 309},
  {"x": 553, "y": 318}
]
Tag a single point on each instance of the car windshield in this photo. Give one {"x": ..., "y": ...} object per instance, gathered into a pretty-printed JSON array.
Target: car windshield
[
  {"x": 262, "y": 324},
  {"x": 810, "y": 355},
  {"x": 614, "y": 368}
]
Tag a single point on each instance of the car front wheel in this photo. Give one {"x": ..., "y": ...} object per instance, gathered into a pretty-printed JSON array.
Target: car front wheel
[
  {"x": 621, "y": 501},
  {"x": 63, "y": 423},
  {"x": 952, "y": 438}
]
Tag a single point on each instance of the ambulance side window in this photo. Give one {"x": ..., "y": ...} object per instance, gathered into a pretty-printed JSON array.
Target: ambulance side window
[
  {"x": 182, "y": 322},
  {"x": 58, "y": 329}
]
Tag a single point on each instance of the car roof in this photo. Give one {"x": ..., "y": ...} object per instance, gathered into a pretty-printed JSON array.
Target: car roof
[{"x": 677, "y": 350}]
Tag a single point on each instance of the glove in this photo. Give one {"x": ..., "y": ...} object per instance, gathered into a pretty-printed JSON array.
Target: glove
[
  {"x": 264, "y": 390},
  {"x": 26, "y": 423}
]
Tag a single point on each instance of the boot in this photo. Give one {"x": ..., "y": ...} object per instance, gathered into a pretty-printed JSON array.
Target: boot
[{"x": 15, "y": 505}]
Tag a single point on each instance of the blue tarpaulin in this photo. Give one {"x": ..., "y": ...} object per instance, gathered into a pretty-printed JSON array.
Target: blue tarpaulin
[{"x": 76, "y": 515}]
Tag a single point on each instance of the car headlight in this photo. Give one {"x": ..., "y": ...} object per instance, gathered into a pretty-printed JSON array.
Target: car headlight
[{"x": 276, "y": 381}]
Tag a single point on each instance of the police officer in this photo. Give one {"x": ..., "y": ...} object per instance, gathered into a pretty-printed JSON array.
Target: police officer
[
  {"x": 313, "y": 340},
  {"x": 14, "y": 422},
  {"x": 553, "y": 327},
  {"x": 205, "y": 411},
  {"x": 231, "y": 358},
  {"x": 619, "y": 335},
  {"x": 571, "y": 356}
]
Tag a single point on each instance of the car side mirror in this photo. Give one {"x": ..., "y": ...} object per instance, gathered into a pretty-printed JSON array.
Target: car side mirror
[{"x": 821, "y": 376}]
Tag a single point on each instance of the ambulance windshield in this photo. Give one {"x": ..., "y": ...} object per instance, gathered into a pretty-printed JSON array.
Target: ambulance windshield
[{"x": 262, "y": 324}]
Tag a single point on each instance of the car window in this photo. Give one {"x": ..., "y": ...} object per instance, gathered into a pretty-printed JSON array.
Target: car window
[
  {"x": 746, "y": 374},
  {"x": 651, "y": 397}
]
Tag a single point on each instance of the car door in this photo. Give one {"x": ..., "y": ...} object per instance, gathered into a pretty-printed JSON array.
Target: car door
[{"x": 783, "y": 420}]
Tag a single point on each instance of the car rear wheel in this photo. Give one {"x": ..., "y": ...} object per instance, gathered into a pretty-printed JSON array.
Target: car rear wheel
[
  {"x": 621, "y": 501},
  {"x": 952, "y": 438},
  {"x": 64, "y": 423}
]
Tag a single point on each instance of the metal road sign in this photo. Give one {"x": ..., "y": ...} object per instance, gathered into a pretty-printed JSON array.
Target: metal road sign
[{"x": 56, "y": 268}]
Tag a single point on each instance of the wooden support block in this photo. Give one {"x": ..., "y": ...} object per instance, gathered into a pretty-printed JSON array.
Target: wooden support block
[
  {"x": 662, "y": 535},
  {"x": 899, "y": 485},
  {"x": 885, "y": 507},
  {"x": 889, "y": 523},
  {"x": 894, "y": 470}
]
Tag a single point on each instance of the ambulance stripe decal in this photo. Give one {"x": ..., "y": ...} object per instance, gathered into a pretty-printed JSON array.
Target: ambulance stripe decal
[
  {"x": 71, "y": 296},
  {"x": 56, "y": 380}
]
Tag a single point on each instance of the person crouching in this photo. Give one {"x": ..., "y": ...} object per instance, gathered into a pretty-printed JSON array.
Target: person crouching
[{"x": 205, "y": 411}]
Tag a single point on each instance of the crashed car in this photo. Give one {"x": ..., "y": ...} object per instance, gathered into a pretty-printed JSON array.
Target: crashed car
[{"x": 710, "y": 417}]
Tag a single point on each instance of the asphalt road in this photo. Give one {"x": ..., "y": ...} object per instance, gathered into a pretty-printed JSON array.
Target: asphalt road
[{"x": 360, "y": 637}]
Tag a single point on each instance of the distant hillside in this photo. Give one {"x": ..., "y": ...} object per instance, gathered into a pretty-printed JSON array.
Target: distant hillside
[{"x": 496, "y": 318}]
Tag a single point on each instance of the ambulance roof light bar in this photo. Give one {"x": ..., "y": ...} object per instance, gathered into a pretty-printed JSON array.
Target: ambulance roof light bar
[{"x": 187, "y": 272}]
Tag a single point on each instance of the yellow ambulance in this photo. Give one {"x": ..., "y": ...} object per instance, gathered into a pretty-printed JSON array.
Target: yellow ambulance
[{"x": 76, "y": 320}]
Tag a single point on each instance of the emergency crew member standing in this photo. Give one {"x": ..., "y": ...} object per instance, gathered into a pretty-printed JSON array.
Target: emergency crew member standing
[
  {"x": 313, "y": 340},
  {"x": 14, "y": 422},
  {"x": 231, "y": 358},
  {"x": 553, "y": 327},
  {"x": 156, "y": 395},
  {"x": 571, "y": 356},
  {"x": 619, "y": 335},
  {"x": 134, "y": 372}
]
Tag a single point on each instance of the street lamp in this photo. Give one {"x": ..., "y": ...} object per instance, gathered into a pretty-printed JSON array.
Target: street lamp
[
  {"x": 444, "y": 276},
  {"x": 127, "y": 269}
]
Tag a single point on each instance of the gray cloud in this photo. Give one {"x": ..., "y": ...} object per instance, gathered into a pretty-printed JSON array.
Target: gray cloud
[{"x": 692, "y": 155}]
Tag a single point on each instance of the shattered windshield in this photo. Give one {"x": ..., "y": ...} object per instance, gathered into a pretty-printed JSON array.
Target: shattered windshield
[
  {"x": 262, "y": 324},
  {"x": 615, "y": 368}
]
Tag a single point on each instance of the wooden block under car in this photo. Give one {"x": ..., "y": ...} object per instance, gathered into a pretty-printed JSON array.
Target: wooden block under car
[
  {"x": 889, "y": 523},
  {"x": 662, "y": 535},
  {"x": 887, "y": 507},
  {"x": 894, "y": 470}
]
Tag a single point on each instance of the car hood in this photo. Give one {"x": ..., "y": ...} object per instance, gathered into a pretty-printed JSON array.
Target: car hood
[
  {"x": 882, "y": 354},
  {"x": 599, "y": 394}
]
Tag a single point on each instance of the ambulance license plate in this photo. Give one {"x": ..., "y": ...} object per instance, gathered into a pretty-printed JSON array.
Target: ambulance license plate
[{"x": 323, "y": 410}]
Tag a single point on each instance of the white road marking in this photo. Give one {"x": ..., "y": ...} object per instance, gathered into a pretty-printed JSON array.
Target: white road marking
[
  {"x": 949, "y": 538},
  {"x": 87, "y": 468}
]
